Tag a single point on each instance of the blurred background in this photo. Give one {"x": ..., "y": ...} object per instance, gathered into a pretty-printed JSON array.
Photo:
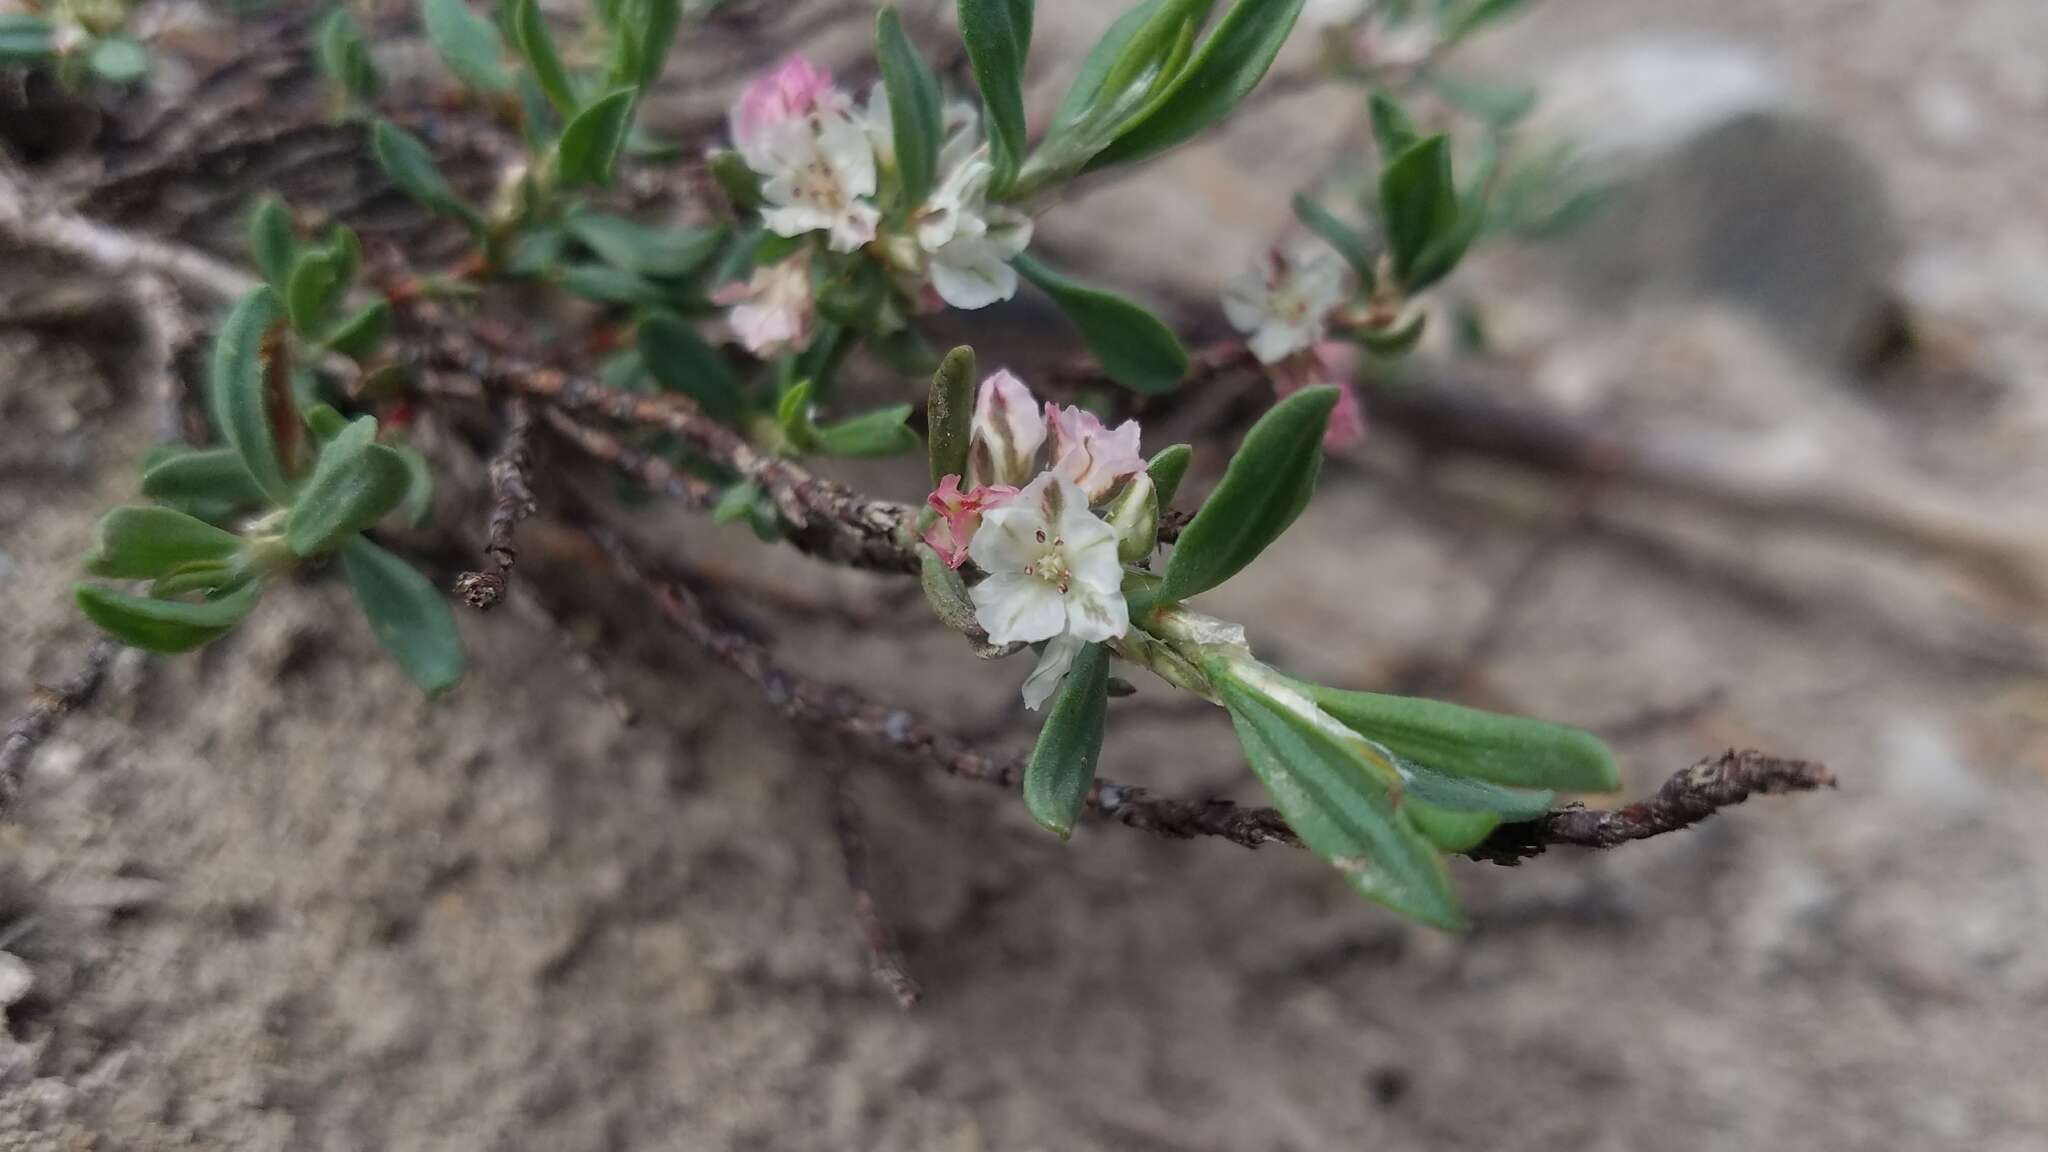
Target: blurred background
[{"x": 267, "y": 897}]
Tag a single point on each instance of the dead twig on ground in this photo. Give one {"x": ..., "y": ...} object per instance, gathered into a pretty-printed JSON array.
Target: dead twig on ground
[
  {"x": 885, "y": 959},
  {"x": 53, "y": 704}
]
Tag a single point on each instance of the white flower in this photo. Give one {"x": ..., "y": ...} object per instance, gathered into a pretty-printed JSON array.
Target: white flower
[
  {"x": 1053, "y": 576},
  {"x": 817, "y": 175},
  {"x": 1284, "y": 303},
  {"x": 772, "y": 312},
  {"x": 970, "y": 242}
]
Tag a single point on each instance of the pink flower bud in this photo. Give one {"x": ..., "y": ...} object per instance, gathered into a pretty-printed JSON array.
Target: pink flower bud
[
  {"x": 1330, "y": 362},
  {"x": 1006, "y": 434},
  {"x": 1095, "y": 458},
  {"x": 960, "y": 516},
  {"x": 792, "y": 91}
]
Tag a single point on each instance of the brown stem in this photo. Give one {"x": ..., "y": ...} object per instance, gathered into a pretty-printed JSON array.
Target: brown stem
[
  {"x": 511, "y": 502},
  {"x": 885, "y": 959}
]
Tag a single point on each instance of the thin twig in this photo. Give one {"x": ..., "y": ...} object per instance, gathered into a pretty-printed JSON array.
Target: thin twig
[
  {"x": 52, "y": 705},
  {"x": 885, "y": 959},
  {"x": 511, "y": 501},
  {"x": 1688, "y": 798}
]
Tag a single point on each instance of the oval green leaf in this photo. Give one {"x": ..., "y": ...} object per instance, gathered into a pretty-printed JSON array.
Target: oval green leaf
[
  {"x": 1061, "y": 770},
  {"x": 468, "y": 43},
  {"x": 1229, "y": 64},
  {"x": 1134, "y": 348},
  {"x": 998, "y": 37},
  {"x": 168, "y": 626},
  {"x": 589, "y": 149},
  {"x": 210, "y": 476},
  {"x": 680, "y": 361},
  {"x": 241, "y": 400},
  {"x": 1267, "y": 485},
  {"x": 949, "y": 414},
  {"x": 408, "y": 615},
  {"x": 143, "y": 542},
  {"x": 354, "y": 484},
  {"x": 636, "y": 248},
  {"x": 914, "y": 111},
  {"x": 530, "y": 33},
  {"x": 1460, "y": 741},
  {"x": 410, "y": 168}
]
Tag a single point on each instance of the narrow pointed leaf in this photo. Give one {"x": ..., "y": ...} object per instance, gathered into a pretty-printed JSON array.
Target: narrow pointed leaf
[
  {"x": 1418, "y": 202},
  {"x": 1134, "y": 348},
  {"x": 591, "y": 142},
  {"x": 240, "y": 395},
  {"x": 410, "y": 167},
  {"x": 1267, "y": 485},
  {"x": 1459, "y": 741},
  {"x": 1229, "y": 64},
  {"x": 359, "y": 336},
  {"x": 408, "y": 615},
  {"x": 1062, "y": 765},
  {"x": 168, "y": 626},
  {"x": 680, "y": 361},
  {"x": 468, "y": 43},
  {"x": 914, "y": 110},
  {"x": 660, "y": 253},
  {"x": 272, "y": 243},
  {"x": 1336, "y": 800},
  {"x": 998, "y": 37},
  {"x": 1391, "y": 126},
  {"x": 530, "y": 33}
]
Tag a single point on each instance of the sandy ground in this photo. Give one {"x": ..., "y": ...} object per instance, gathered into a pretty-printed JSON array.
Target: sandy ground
[{"x": 269, "y": 899}]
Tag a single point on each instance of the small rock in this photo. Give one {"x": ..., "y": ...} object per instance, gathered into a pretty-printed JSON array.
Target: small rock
[
  {"x": 15, "y": 979},
  {"x": 1720, "y": 185}
]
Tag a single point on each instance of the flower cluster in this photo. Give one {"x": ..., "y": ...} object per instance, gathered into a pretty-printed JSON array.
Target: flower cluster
[
  {"x": 1053, "y": 570},
  {"x": 1284, "y": 306},
  {"x": 825, "y": 166}
]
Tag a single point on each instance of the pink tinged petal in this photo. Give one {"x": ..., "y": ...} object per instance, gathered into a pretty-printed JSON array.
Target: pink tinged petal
[
  {"x": 1013, "y": 537},
  {"x": 1007, "y": 432},
  {"x": 1347, "y": 419},
  {"x": 1053, "y": 664},
  {"x": 791, "y": 91},
  {"x": 1014, "y": 607},
  {"x": 1088, "y": 454}
]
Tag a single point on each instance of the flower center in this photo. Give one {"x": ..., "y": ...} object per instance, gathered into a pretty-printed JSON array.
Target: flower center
[{"x": 1051, "y": 566}]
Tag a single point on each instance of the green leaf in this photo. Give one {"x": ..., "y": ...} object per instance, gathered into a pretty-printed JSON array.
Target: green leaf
[
  {"x": 359, "y": 336},
  {"x": 241, "y": 402},
  {"x": 344, "y": 58},
  {"x": 215, "y": 475},
  {"x": 1459, "y": 741},
  {"x": 1479, "y": 14},
  {"x": 661, "y": 253},
  {"x": 608, "y": 285},
  {"x": 1062, "y": 765},
  {"x": 272, "y": 243},
  {"x": 354, "y": 484},
  {"x": 408, "y": 615},
  {"x": 410, "y": 167},
  {"x": 1418, "y": 202},
  {"x": 168, "y": 626},
  {"x": 1341, "y": 236},
  {"x": 1395, "y": 342},
  {"x": 589, "y": 149},
  {"x": 1447, "y": 829},
  {"x": 118, "y": 60},
  {"x": 25, "y": 39},
  {"x": 1448, "y": 247},
  {"x": 202, "y": 576},
  {"x": 793, "y": 416},
  {"x": 680, "y": 361},
  {"x": 1229, "y": 64},
  {"x": 325, "y": 423},
  {"x": 1135, "y": 349},
  {"x": 1463, "y": 794},
  {"x": 1391, "y": 125},
  {"x": 419, "y": 486},
  {"x": 1167, "y": 469},
  {"x": 741, "y": 184},
  {"x": 998, "y": 37},
  {"x": 1336, "y": 798},
  {"x": 143, "y": 542},
  {"x": 315, "y": 287},
  {"x": 530, "y": 33},
  {"x": 1267, "y": 485},
  {"x": 645, "y": 30},
  {"x": 949, "y": 414},
  {"x": 468, "y": 43},
  {"x": 878, "y": 433},
  {"x": 914, "y": 111}
]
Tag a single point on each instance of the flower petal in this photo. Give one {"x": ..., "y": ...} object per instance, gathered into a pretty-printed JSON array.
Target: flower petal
[
  {"x": 1096, "y": 615},
  {"x": 1053, "y": 664},
  {"x": 1011, "y": 606}
]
